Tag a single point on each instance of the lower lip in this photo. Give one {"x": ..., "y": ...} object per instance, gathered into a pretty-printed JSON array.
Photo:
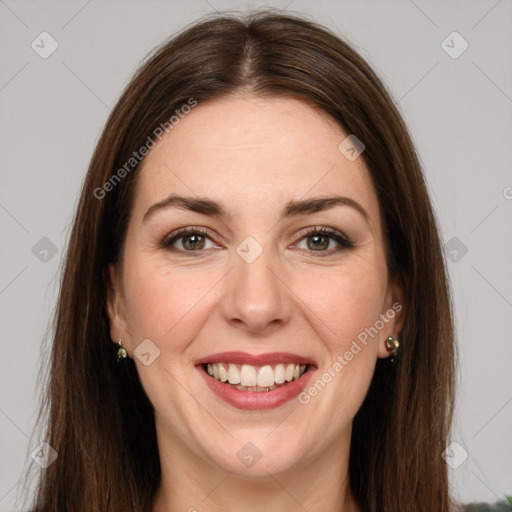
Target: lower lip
[{"x": 251, "y": 400}]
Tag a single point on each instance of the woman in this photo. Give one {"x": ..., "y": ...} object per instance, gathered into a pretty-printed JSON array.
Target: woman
[{"x": 254, "y": 311}]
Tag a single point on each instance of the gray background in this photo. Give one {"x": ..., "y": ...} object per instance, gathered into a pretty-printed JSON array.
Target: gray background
[{"x": 459, "y": 111}]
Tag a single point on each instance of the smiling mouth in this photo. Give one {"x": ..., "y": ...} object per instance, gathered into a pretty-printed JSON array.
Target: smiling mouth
[{"x": 254, "y": 379}]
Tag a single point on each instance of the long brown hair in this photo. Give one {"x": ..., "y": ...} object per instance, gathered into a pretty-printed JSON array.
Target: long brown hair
[{"x": 98, "y": 416}]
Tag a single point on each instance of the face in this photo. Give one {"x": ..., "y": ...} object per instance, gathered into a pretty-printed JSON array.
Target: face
[{"x": 288, "y": 285}]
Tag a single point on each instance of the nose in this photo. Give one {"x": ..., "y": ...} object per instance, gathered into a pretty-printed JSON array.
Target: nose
[{"x": 256, "y": 297}]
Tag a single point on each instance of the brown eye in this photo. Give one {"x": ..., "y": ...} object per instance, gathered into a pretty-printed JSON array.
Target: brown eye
[
  {"x": 192, "y": 242},
  {"x": 325, "y": 241},
  {"x": 188, "y": 240},
  {"x": 318, "y": 242}
]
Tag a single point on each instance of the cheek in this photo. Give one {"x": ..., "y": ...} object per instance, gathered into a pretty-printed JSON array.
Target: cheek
[
  {"x": 350, "y": 305},
  {"x": 165, "y": 304},
  {"x": 347, "y": 301}
]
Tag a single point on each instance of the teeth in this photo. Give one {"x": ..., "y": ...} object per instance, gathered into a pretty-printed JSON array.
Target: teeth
[
  {"x": 255, "y": 388},
  {"x": 288, "y": 373},
  {"x": 265, "y": 377},
  {"x": 223, "y": 374},
  {"x": 279, "y": 374},
  {"x": 233, "y": 374},
  {"x": 248, "y": 375},
  {"x": 252, "y": 378}
]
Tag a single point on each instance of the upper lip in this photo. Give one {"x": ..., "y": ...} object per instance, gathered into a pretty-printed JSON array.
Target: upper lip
[{"x": 256, "y": 360}]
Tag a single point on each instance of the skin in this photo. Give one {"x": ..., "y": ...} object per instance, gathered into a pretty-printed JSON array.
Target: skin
[{"x": 253, "y": 155}]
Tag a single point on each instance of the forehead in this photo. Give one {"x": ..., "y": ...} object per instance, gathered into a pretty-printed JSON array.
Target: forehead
[{"x": 247, "y": 151}]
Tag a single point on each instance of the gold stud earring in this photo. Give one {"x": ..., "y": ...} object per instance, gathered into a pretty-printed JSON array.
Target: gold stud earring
[
  {"x": 121, "y": 352},
  {"x": 392, "y": 345}
]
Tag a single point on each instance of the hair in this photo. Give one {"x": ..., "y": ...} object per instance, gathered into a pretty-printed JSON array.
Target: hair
[{"x": 98, "y": 417}]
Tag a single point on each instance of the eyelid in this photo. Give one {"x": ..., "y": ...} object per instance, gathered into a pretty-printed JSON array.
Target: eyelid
[{"x": 323, "y": 230}]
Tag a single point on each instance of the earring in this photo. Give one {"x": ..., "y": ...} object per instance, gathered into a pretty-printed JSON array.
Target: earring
[
  {"x": 121, "y": 352},
  {"x": 392, "y": 344}
]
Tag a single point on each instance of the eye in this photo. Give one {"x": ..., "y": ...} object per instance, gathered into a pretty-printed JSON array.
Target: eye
[
  {"x": 322, "y": 240},
  {"x": 325, "y": 241},
  {"x": 190, "y": 239}
]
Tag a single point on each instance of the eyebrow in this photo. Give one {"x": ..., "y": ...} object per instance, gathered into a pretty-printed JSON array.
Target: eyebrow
[{"x": 293, "y": 208}]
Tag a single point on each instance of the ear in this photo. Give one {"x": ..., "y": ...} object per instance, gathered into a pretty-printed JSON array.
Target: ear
[
  {"x": 115, "y": 306},
  {"x": 393, "y": 315}
]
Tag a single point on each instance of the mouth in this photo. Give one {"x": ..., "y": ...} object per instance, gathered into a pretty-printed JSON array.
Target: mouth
[
  {"x": 255, "y": 379},
  {"x": 256, "y": 382}
]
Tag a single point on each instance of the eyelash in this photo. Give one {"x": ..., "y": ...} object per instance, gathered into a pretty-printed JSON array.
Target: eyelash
[{"x": 342, "y": 240}]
